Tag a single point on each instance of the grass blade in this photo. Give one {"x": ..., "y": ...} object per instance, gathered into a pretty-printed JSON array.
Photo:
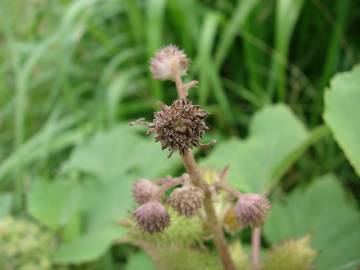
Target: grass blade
[{"x": 287, "y": 14}]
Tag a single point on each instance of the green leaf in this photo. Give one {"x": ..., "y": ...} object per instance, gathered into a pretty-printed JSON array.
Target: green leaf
[
  {"x": 324, "y": 212},
  {"x": 88, "y": 247},
  {"x": 103, "y": 204},
  {"x": 342, "y": 108},
  {"x": 5, "y": 204},
  {"x": 108, "y": 202},
  {"x": 115, "y": 158},
  {"x": 275, "y": 133},
  {"x": 54, "y": 203},
  {"x": 139, "y": 261},
  {"x": 118, "y": 152}
]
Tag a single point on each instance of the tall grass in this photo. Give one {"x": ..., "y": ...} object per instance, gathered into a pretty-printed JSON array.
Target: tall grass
[{"x": 73, "y": 67}]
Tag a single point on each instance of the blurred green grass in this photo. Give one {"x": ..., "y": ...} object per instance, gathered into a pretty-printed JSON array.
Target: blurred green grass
[{"x": 86, "y": 61}]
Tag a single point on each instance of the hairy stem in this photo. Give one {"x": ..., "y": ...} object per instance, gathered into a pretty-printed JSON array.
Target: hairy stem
[
  {"x": 197, "y": 180},
  {"x": 255, "y": 248},
  {"x": 182, "y": 92},
  {"x": 218, "y": 234},
  {"x": 231, "y": 191}
]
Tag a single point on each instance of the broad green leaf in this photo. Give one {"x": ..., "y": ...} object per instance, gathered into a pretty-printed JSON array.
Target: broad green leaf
[
  {"x": 107, "y": 202},
  {"x": 114, "y": 159},
  {"x": 139, "y": 261},
  {"x": 118, "y": 152},
  {"x": 323, "y": 211},
  {"x": 88, "y": 247},
  {"x": 54, "y": 203},
  {"x": 275, "y": 133},
  {"x": 342, "y": 111},
  {"x": 5, "y": 204},
  {"x": 103, "y": 203}
]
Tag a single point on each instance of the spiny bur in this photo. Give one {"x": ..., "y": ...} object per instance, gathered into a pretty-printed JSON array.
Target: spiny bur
[
  {"x": 143, "y": 190},
  {"x": 187, "y": 200},
  {"x": 290, "y": 255},
  {"x": 252, "y": 210},
  {"x": 152, "y": 217},
  {"x": 180, "y": 126},
  {"x": 169, "y": 62}
]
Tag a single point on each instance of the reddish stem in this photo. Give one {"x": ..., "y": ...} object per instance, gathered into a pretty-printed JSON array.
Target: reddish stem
[
  {"x": 182, "y": 92},
  {"x": 215, "y": 227},
  {"x": 197, "y": 180},
  {"x": 167, "y": 185},
  {"x": 255, "y": 248},
  {"x": 231, "y": 191}
]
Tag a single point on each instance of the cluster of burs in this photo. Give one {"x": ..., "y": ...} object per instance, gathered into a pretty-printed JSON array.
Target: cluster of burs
[
  {"x": 24, "y": 245},
  {"x": 180, "y": 127}
]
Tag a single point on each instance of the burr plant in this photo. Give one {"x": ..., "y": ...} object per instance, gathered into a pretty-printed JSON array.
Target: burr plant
[{"x": 180, "y": 127}]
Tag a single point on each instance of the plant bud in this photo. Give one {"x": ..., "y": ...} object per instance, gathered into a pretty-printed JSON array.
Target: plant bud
[
  {"x": 179, "y": 126},
  {"x": 152, "y": 217},
  {"x": 252, "y": 209},
  {"x": 187, "y": 200},
  {"x": 168, "y": 62},
  {"x": 143, "y": 190},
  {"x": 291, "y": 254}
]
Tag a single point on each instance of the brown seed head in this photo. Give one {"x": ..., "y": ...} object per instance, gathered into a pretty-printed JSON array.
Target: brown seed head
[
  {"x": 168, "y": 62},
  {"x": 143, "y": 190},
  {"x": 187, "y": 200},
  {"x": 252, "y": 209},
  {"x": 179, "y": 126},
  {"x": 152, "y": 217}
]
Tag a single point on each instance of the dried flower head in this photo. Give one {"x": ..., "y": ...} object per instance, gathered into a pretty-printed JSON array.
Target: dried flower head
[
  {"x": 179, "y": 126},
  {"x": 252, "y": 209},
  {"x": 152, "y": 217},
  {"x": 187, "y": 200},
  {"x": 143, "y": 190},
  {"x": 168, "y": 62}
]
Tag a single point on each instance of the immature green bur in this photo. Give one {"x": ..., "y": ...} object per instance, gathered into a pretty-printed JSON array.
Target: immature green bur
[
  {"x": 290, "y": 255},
  {"x": 181, "y": 246},
  {"x": 25, "y": 246}
]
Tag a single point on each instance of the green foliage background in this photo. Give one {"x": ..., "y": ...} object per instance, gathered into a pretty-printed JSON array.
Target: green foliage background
[{"x": 74, "y": 73}]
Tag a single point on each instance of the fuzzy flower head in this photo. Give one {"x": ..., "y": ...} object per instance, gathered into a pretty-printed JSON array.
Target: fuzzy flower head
[
  {"x": 152, "y": 217},
  {"x": 168, "y": 62},
  {"x": 252, "y": 209},
  {"x": 143, "y": 190},
  {"x": 187, "y": 200},
  {"x": 180, "y": 126}
]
